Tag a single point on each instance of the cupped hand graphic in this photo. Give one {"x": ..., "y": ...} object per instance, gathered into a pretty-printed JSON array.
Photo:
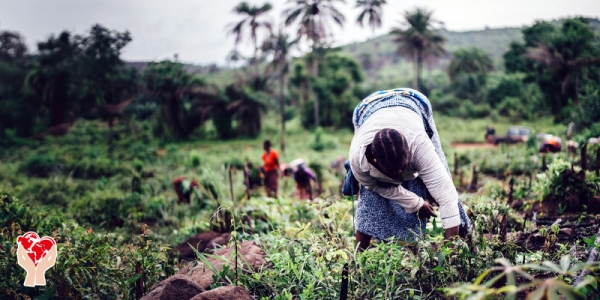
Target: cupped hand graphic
[
  {"x": 26, "y": 263},
  {"x": 43, "y": 265}
]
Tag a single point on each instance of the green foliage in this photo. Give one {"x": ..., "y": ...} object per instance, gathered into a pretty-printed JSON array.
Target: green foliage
[
  {"x": 550, "y": 287},
  {"x": 174, "y": 86},
  {"x": 323, "y": 142},
  {"x": 587, "y": 114},
  {"x": 336, "y": 89},
  {"x": 420, "y": 41},
  {"x": 42, "y": 165},
  {"x": 518, "y": 100},
  {"x": 88, "y": 265},
  {"x": 555, "y": 58},
  {"x": 561, "y": 181},
  {"x": 468, "y": 72}
]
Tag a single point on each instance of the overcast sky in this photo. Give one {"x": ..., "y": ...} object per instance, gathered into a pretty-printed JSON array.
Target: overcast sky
[{"x": 195, "y": 29}]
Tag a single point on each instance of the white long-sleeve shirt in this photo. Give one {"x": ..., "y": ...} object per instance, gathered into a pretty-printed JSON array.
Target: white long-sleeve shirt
[{"x": 423, "y": 161}]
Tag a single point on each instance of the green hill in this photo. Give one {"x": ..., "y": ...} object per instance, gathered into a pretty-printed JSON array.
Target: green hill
[
  {"x": 384, "y": 67},
  {"x": 380, "y": 53}
]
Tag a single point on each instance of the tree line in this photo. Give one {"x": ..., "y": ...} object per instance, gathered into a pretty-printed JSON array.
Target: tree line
[{"x": 554, "y": 70}]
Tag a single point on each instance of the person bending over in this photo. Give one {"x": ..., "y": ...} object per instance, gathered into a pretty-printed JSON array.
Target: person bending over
[{"x": 397, "y": 157}]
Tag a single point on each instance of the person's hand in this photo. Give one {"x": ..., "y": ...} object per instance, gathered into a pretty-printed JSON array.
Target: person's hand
[
  {"x": 450, "y": 232},
  {"x": 46, "y": 263},
  {"x": 426, "y": 210},
  {"x": 26, "y": 263}
]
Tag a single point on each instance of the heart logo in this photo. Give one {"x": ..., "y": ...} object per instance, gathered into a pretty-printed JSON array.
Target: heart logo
[{"x": 36, "y": 247}]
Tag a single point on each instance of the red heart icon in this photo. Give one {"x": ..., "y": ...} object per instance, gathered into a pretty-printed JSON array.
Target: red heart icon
[{"x": 35, "y": 247}]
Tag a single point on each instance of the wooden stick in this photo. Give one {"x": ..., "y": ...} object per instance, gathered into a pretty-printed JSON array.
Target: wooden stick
[
  {"x": 344, "y": 285},
  {"x": 455, "y": 163},
  {"x": 503, "y": 227},
  {"x": 544, "y": 167},
  {"x": 598, "y": 162},
  {"x": 139, "y": 288},
  {"x": 231, "y": 187},
  {"x": 474, "y": 177},
  {"x": 247, "y": 180},
  {"x": 510, "y": 190},
  {"x": 584, "y": 157}
]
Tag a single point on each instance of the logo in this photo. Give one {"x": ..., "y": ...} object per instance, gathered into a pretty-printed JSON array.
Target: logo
[{"x": 36, "y": 255}]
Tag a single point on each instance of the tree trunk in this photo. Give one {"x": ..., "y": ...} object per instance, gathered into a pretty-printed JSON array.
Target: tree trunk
[
  {"x": 576, "y": 98},
  {"x": 256, "y": 58},
  {"x": 59, "y": 101},
  {"x": 315, "y": 73},
  {"x": 416, "y": 65},
  {"x": 282, "y": 80}
]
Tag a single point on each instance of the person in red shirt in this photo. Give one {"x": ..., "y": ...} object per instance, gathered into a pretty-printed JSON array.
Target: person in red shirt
[
  {"x": 271, "y": 159},
  {"x": 550, "y": 144}
]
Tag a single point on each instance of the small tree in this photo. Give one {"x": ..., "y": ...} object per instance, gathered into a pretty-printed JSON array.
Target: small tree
[
  {"x": 313, "y": 18},
  {"x": 252, "y": 16},
  {"x": 468, "y": 72},
  {"x": 419, "y": 40}
]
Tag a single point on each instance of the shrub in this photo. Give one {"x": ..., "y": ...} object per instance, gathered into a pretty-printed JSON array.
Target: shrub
[
  {"x": 94, "y": 168},
  {"x": 42, "y": 165},
  {"x": 89, "y": 265},
  {"x": 109, "y": 209},
  {"x": 323, "y": 142}
]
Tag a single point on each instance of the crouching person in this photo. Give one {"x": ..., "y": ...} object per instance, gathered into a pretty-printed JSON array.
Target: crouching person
[{"x": 396, "y": 156}]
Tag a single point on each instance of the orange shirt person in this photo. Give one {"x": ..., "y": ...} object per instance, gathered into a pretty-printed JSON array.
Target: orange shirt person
[{"x": 271, "y": 160}]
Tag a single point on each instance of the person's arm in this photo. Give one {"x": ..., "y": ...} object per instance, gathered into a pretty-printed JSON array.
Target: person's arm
[
  {"x": 311, "y": 174},
  {"x": 276, "y": 160},
  {"x": 439, "y": 184},
  {"x": 407, "y": 199}
]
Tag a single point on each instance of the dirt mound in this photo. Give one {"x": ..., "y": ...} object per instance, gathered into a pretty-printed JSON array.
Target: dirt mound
[
  {"x": 251, "y": 257},
  {"x": 174, "y": 287},
  {"x": 225, "y": 293},
  {"x": 203, "y": 242}
]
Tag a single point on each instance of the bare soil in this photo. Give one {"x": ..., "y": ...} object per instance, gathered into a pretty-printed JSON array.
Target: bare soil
[{"x": 473, "y": 146}]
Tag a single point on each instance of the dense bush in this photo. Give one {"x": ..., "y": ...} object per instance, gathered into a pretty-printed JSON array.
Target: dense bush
[
  {"x": 42, "y": 165},
  {"x": 88, "y": 265}
]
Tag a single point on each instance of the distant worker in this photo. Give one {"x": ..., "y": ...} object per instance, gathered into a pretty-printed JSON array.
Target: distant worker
[
  {"x": 490, "y": 131},
  {"x": 271, "y": 169},
  {"x": 184, "y": 189},
  {"x": 303, "y": 176},
  {"x": 550, "y": 144},
  {"x": 252, "y": 174},
  {"x": 572, "y": 147},
  {"x": 570, "y": 131},
  {"x": 337, "y": 166}
]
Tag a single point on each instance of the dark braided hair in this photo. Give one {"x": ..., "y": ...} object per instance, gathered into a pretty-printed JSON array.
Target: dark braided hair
[{"x": 390, "y": 150}]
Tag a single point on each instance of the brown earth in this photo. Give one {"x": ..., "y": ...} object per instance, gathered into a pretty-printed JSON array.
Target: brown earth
[
  {"x": 251, "y": 257},
  {"x": 469, "y": 146},
  {"x": 174, "y": 287},
  {"x": 225, "y": 293}
]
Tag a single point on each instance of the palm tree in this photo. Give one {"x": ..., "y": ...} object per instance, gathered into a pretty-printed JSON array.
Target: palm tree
[
  {"x": 50, "y": 77},
  {"x": 468, "y": 71},
  {"x": 469, "y": 60},
  {"x": 280, "y": 46},
  {"x": 565, "y": 67},
  {"x": 175, "y": 88},
  {"x": 420, "y": 40},
  {"x": 251, "y": 19},
  {"x": 372, "y": 10},
  {"x": 246, "y": 103},
  {"x": 314, "y": 18}
]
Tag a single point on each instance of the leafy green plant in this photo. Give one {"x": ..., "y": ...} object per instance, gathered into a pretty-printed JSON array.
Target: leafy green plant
[
  {"x": 536, "y": 288},
  {"x": 322, "y": 142}
]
